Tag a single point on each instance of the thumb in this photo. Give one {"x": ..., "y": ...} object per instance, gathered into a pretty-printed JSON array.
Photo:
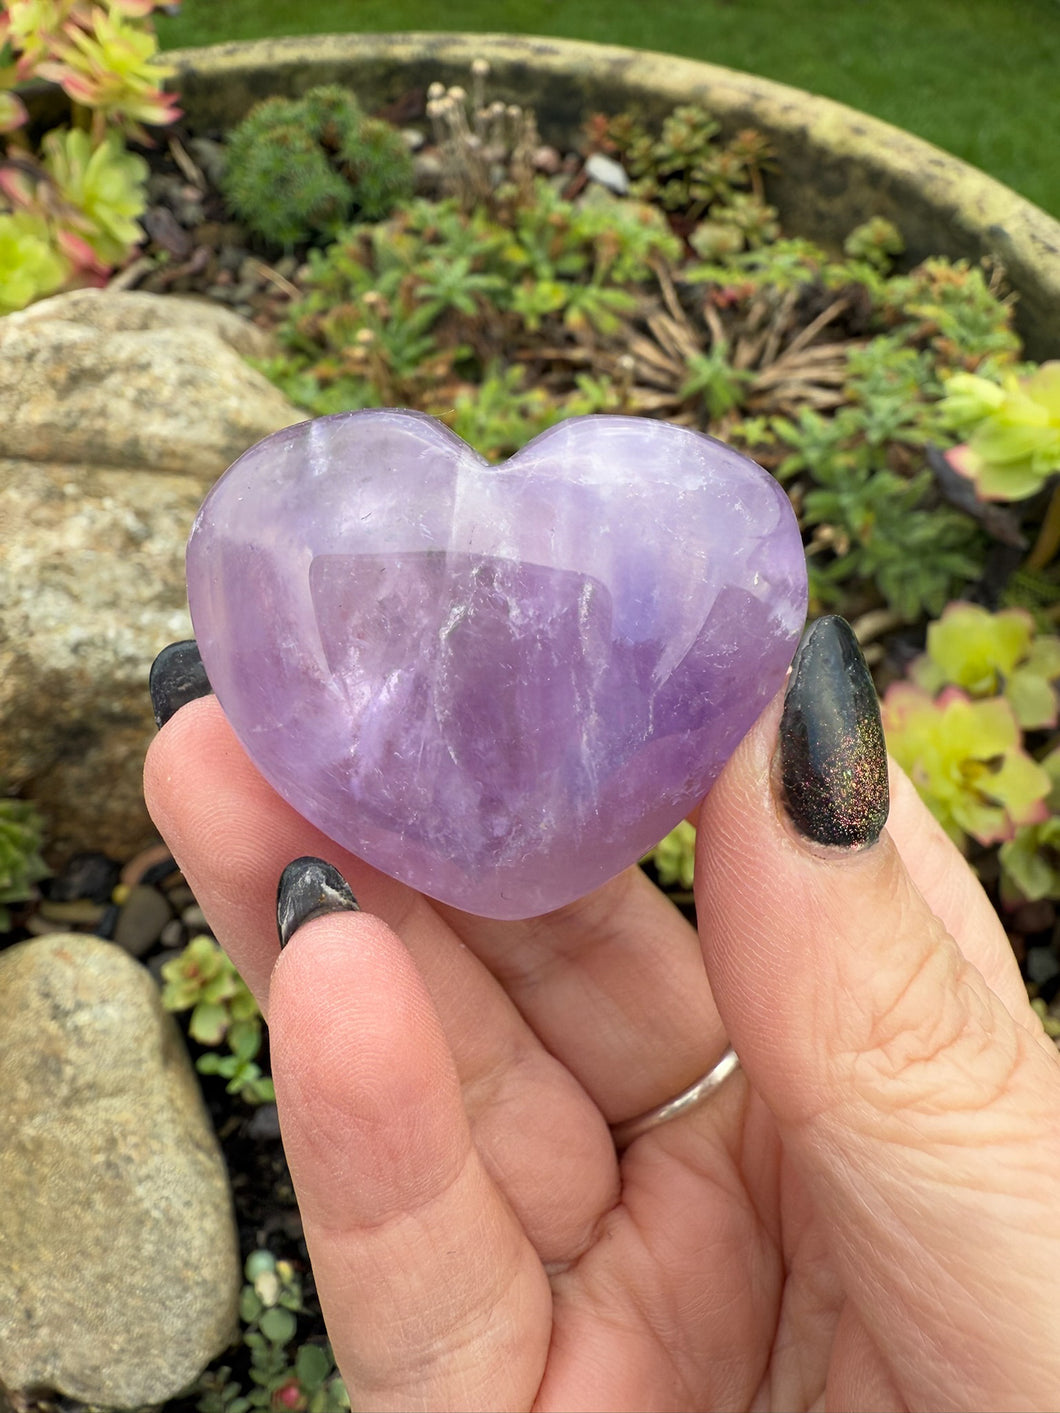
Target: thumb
[{"x": 911, "y": 1083}]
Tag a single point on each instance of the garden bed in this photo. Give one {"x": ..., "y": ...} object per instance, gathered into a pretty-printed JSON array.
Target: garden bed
[{"x": 641, "y": 270}]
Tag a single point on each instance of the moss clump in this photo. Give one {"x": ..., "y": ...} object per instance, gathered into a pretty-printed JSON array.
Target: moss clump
[{"x": 301, "y": 168}]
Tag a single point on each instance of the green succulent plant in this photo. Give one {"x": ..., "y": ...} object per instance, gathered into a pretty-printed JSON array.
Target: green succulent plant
[
  {"x": 1011, "y": 427},
  {"x": 21, "y": 864},
  {"x": 203, "y": 980},
  {"x": 993, "y": 654},
  {"x": 105, "y": 183},
  {"x": 684, "y": 167},
  {"x": 299, "y": 168},
  {"x": 1030, "y": 860},
  {"x": 366, "y": 334},
  {"x": 883, "y": 526},
  {"x": 674, "y": 857},
  {"x": 69, "y": 210},
  {"x": 283, "y": 1376},
  {"x": 31, "y": 265},
  {"x": 967, "y": 760}
]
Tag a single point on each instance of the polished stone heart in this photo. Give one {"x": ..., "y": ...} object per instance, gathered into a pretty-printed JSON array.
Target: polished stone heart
[{"x": 501, "y": 684}]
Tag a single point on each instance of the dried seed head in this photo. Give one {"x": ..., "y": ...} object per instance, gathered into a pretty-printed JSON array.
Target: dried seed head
[{"x": 480, "y": 67}]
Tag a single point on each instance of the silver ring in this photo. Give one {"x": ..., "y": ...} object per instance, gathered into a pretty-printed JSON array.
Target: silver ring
[{"x": 624, "y": 1133}]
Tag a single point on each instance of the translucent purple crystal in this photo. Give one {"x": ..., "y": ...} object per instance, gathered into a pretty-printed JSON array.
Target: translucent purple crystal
[{"x": 501, "y": 684}]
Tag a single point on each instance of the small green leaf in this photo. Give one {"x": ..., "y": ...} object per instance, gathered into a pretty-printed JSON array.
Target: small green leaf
[
  {"x": 257, "y": 1263},
  {"x": 208, "y": 1023},
  {"x": 244, "y": 1038},
  {"x": 312, "y": 1365},
  {"x": 278, "y": 1325}
]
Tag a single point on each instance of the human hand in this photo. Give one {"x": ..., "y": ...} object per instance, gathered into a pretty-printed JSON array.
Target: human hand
[{"x": 863, "y": 1216}]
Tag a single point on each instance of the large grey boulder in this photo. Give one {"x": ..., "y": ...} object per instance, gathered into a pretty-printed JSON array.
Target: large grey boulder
[
  {"x": 125, "y": 379},
  {"x": 118, "y": 410},
  {"x": 119, "y": 1262}
]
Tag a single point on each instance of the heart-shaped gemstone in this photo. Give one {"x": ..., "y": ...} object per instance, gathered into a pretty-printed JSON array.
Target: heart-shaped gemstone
[{"x": 501, "y": 684}]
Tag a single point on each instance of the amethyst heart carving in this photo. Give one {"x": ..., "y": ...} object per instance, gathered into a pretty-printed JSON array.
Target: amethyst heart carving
[{"x": 501, "y": 684}]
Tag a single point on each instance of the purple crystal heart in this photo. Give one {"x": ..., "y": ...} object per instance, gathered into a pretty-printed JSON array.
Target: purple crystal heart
[{"x": 501, "y": 684}]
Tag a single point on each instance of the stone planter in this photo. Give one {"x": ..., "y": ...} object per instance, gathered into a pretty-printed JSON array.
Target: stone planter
[
  {"x": 837, "y": 167},
  {"x": 74, "y": 712}
]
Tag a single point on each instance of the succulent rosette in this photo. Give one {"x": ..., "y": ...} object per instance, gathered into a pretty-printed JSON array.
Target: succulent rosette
[
  {"x": 1012, "y": 430},
  {"x": 967, "y": 760}
]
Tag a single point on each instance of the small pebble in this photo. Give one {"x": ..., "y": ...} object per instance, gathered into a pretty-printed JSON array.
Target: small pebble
[
  {"x": 231, "y": 257},
  {"x": 194, "y": 919},
  {"x": 210, "y": 156},
  {"x": 142, "y": 919},
  {"x": 108, "y": 922},
  {"x": 88, "y": 875},
  {"x": 164, "y": 229},
  {"x": 264, "y": 1123},
  {"x": 607, "y": 172},
  {"x": 1042, "y": 965},
  {"x": 180, "y": 896},
  {"x": 172, "y": 935},
  {"x": 81, "y": 912},
  {"x": 547, "y": 160}
]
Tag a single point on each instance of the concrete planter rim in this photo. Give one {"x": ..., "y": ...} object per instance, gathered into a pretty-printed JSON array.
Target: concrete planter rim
[{"x": 838, "y": 165}]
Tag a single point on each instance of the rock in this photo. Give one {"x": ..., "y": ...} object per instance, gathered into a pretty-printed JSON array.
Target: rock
[
  {"x": 128, "y": 379},
  {"x": 546, "y": 159},
  {"x": 607, "y": 172},
  {"x": 80, "y": 913},
  {"x": 88, "y": 875},
  {"x": 119, "y": 1263},
  {"x": 144, "y": 914},
  {"x": 117, "y": 412}
]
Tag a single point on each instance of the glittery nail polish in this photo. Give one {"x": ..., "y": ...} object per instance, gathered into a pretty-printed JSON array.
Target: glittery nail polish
[
  {"x": 177, "y": 677},
  {"x": 833, "y": 759},
  {"x": 310, "y": 888}
]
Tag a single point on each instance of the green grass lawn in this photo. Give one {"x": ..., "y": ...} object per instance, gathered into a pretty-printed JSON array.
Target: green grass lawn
[{"x": 980, "y": 78}]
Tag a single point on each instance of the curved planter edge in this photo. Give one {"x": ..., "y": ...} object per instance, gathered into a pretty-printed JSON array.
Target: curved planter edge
[{"x": 838, "y": 166}]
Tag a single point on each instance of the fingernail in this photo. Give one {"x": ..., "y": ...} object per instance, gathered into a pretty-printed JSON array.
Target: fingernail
[
  {"x": 310, "y": 888},
  {"x": 177, "y": 677},
  {"x": 833, "y": 758}
]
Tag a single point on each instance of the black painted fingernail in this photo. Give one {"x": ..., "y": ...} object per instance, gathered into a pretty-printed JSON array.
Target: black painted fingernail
[
  {"x": 833, "y": 758},
  {"x": 177, "y": 677},
  {"x": 310, "y": 888}
]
